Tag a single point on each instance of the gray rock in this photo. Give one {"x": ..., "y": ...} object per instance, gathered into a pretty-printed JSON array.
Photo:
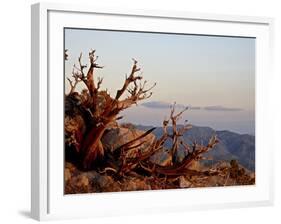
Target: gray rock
[{"x": 115, "y": 137}]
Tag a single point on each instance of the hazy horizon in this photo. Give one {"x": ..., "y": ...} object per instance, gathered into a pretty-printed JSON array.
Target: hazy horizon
[
  {"x": 241, "y": 122},
  {"x": 214, "y": 73}
]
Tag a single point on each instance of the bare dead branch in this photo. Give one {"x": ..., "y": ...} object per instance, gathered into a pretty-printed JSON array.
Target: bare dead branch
[
  {"x": 93, "y": 59},
  {"x": 76, "y": 80},
  {"x": 182, "y": 167},
  {"x": 99, "y": 82},
  {"x": 128, "y": 80},
  {"x": 81, "y": 66}
]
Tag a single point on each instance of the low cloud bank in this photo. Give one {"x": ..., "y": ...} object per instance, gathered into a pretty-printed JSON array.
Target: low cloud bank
[{"x": 163, "y": 105}]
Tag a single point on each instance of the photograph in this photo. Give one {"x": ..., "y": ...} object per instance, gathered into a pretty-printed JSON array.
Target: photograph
[{"x": 155, "y": 111}]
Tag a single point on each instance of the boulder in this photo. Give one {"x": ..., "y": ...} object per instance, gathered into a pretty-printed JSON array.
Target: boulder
[{"x": 118, "y": 136}]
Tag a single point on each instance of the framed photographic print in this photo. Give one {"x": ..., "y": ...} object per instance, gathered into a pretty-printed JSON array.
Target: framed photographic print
[{"x": 148, "y": 111}]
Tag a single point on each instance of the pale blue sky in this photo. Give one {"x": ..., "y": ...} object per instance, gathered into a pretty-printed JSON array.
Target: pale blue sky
[{"x": 189, "y": 69}]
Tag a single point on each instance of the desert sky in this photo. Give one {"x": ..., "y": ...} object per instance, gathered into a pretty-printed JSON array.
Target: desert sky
[{"x": 213, "y": 75}]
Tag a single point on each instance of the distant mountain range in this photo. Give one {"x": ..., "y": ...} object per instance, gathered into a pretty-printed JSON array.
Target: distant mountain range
[{"x": 231, "y": 145}]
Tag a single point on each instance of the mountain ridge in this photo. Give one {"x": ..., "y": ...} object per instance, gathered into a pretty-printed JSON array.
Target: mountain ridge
[{"x": 231, "y": 146}]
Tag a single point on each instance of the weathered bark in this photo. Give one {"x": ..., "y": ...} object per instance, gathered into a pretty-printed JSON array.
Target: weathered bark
[{"x": 92, "y": 147}]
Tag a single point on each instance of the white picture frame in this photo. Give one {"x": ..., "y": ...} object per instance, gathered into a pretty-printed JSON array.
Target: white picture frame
[{"x": 48, "y": 200}]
